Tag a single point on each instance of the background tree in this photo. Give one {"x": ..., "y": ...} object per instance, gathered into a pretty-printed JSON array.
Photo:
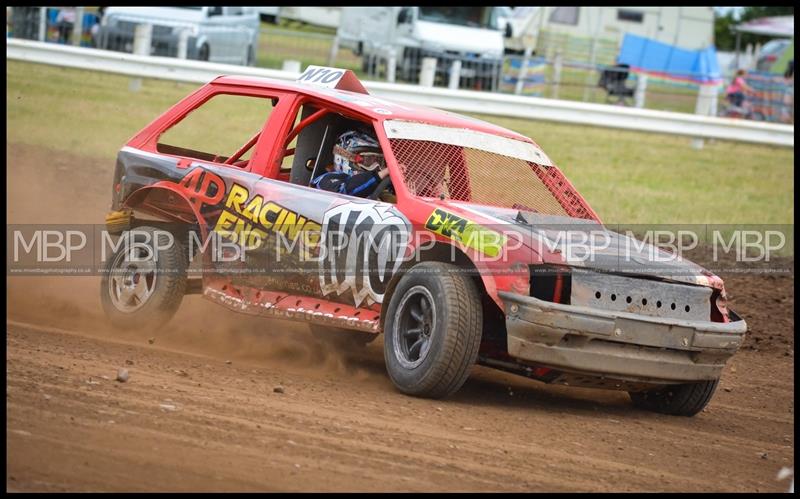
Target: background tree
[{"x": 725, "y": 39}]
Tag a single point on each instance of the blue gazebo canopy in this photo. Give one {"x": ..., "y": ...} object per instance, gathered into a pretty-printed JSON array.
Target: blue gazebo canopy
[{"x": 651, "y": 56}]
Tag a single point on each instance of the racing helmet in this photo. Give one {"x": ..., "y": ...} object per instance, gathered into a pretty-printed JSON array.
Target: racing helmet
[{"x": 357, "y": 150}]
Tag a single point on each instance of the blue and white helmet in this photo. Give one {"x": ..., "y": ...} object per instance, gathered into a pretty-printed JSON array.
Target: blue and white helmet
[{"x": 357, "y": 150}]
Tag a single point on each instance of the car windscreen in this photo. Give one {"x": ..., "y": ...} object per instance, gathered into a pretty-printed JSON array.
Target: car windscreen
[
  {"x": 474, "y": 17},
  {"x": 472, "y": 166}
]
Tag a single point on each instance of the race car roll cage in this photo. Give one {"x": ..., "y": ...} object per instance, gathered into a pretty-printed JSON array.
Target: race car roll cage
[{"x": 268, "y": 153}]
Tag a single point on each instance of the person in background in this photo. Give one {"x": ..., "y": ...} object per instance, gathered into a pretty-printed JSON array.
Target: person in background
[
  {"x": 65, "y": 23},
  {"x": 95, "y": 29},
  {"x": 736, "y": 90}
]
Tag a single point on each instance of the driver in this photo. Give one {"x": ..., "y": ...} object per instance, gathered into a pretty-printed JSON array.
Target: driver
[{"x": 358, "y": 166}]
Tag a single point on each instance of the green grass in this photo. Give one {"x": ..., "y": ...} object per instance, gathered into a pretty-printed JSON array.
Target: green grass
[
  {"x": 285, "y": 24},
  {"x": 83, "y": 112},
  {"x": 637, "y": 177},
  {"x": 581, "y": 85},
  {"x": 277, "y": 44},
  {"x": 627, "y": 177}
]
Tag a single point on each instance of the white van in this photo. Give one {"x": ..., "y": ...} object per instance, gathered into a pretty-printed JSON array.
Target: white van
[
  {"x": 468, "y": 34},
  {"x": 216, "y": 34}
]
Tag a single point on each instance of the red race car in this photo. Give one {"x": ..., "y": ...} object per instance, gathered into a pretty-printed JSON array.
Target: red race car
[{"x": 315, "y": 201}]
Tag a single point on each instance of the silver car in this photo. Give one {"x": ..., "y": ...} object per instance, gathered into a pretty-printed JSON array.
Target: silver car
[{"x": 216, "y": 34}]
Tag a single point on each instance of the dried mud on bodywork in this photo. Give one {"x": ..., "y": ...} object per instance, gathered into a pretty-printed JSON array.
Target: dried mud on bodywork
[{"x": 339, "y": 425}]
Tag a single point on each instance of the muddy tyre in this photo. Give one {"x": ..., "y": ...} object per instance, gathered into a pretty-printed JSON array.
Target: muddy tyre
[
  {"x": 340, "y": 337},
  {"x": 144, "y": 283},
  {"x": 677, "y": 400},
  {"x": 432, "y": 330}
]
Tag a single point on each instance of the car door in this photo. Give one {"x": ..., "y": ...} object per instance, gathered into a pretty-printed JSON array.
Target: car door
[
  {"x": 231, "y": 36},
  {"x": 216, "y": 32},
  {"x": 220, "y": 147},
  {"x": 244, "y": 24},
  {"x": 327, "y": 245},
  {"x": 322, "y": 244}
]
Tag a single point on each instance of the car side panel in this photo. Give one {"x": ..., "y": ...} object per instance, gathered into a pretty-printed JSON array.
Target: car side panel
[{"x": 286, "y": 220}]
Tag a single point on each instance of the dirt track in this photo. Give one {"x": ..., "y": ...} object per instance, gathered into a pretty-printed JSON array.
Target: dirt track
[{"x": 340, "y": 425}]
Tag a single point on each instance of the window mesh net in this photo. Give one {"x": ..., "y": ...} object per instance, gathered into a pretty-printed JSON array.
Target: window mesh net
[{"x": 433, "y": 169}]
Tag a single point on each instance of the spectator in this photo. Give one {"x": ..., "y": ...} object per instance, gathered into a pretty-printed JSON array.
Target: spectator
[
  {"x": 736, "y": 90},
  {"x": 65, "y": 22},
  {"x": 95, "y": 29}
]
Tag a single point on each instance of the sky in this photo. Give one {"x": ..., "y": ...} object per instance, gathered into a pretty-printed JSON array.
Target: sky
[{"x": 724, "y": 10}]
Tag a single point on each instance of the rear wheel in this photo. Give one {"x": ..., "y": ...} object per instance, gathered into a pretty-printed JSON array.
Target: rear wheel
[
  {"x": 685, "y": 399},
  {"x": 433, "y": 330},
  {"x": 144, "y": 280}
]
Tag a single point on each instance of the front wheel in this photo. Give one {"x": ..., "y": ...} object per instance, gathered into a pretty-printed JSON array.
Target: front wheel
[
  {"x": 686, "y": 399},
  {"x": 144, "y": 280},
  {"x": 433, "y": 330}
]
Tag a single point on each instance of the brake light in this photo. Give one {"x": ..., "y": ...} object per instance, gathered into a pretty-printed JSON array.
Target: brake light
[
  {"x": 719, "y": 307},
  {"x": 521, "y": 282}
]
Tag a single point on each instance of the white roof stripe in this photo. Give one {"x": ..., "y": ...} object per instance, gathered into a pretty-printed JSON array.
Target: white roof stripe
[{"x": 400, "y": 129}]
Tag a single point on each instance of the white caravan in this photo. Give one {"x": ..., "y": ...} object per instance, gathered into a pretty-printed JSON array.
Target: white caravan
[{"x": 690, "y": 28}]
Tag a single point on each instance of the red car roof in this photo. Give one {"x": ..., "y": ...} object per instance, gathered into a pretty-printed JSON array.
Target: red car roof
[{"x": 376, "y": 108}]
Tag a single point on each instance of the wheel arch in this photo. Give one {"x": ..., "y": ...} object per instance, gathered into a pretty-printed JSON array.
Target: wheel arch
[
  {"x": 166, "y": 202},
  {"x": 493, "y": 315}
]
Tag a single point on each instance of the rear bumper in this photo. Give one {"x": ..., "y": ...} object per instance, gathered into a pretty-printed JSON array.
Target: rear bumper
[{"x": 618, "y": 345}]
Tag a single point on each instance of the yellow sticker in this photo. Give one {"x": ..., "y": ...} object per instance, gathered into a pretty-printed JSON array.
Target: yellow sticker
[{"x": 466, "y": 232}]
